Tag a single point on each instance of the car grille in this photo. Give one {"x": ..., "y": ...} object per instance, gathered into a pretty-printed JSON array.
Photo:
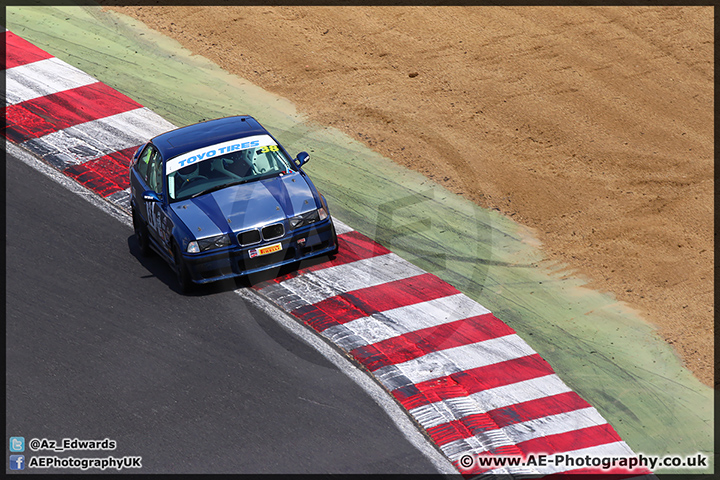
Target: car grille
[
  {"x": 249, "y": 238},
  {"x": 273, "y": 231}
]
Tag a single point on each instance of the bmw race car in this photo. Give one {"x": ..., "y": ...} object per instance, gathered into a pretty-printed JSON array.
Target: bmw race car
[{"x": 222, "y": 199}]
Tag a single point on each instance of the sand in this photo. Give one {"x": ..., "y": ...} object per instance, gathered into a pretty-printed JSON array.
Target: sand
[{"x": 593, "y": 126}]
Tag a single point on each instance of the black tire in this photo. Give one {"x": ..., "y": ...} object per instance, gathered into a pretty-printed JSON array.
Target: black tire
[
  {"x": 141, "y": 234},
  {"x": 185, "y": 283},
  {"x": 337, "y": 245}
]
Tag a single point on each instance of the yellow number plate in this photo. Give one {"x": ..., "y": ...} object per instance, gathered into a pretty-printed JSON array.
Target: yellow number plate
[{"x": 256, "y": 252}]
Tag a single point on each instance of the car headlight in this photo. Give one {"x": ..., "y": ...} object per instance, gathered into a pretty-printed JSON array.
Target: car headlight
[
  {"x": 210, "y": 243},
  {"x": 308, "y": 218},
  {"x": 322, "y": 213}
]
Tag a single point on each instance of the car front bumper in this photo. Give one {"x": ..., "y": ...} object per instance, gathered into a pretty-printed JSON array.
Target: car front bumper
[{"x": 315, "y": 240}]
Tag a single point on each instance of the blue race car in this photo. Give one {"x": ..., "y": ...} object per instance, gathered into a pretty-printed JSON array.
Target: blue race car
[{"x": 222, "y": 199}]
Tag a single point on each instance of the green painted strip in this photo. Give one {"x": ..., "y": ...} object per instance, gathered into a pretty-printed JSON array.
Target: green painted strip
[{"x": 598, "y": 347}]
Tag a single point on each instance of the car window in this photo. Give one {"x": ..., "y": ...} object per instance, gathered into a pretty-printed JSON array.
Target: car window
[
  {"x": 144, "y": 161},
  {"x": 216, "y": 166},
  {"x": 267, "y": 159},
  {"x": 154, "y": 179}
]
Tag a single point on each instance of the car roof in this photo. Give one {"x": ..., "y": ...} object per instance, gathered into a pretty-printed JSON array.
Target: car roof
[{"x": 203, "y": 134}]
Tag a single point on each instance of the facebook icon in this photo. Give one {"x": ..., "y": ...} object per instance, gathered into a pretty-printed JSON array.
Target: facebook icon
[{"x": 17, "y": 462}]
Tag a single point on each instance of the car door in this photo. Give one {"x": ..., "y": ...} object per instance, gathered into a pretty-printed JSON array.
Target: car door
[
  {"x": 148, "y": 176},
  {"x": 138, "y": 179},
  {"x": 159, "y": 223}
]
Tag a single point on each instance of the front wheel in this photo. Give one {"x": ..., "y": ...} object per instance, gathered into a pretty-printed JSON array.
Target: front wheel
[
  {"x": 182, "y": 273},
  {"x": 141, "y": 234},
  {"x": 337, "y": 245}
]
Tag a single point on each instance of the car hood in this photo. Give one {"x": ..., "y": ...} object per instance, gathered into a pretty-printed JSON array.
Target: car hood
[{"x": 249, "y": 205}]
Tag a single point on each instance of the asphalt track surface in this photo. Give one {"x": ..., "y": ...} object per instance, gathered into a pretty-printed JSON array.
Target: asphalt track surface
[{"x": 100, "y": 345}]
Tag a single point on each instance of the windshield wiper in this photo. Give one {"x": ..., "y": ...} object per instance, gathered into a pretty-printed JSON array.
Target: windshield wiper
[{"x": 219, "y": 187}]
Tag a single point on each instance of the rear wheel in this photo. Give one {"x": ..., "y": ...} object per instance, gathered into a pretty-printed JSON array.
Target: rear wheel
[
  {"x": 182, "y": 273},
  {"x": 141, "y": 234}
]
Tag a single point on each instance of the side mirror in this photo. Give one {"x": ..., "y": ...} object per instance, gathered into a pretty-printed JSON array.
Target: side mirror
[
  {"x": 151, "y": 196},
  {"x": 302, "y": 159}
]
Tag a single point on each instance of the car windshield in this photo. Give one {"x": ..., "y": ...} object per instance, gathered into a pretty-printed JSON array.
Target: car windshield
[{"x": 219, "y": 166}]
